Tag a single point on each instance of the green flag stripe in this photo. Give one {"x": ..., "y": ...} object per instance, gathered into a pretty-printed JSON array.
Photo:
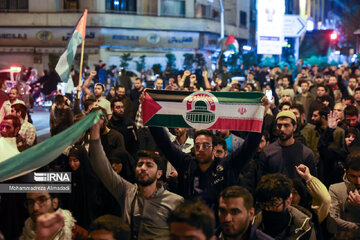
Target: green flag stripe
[
  {"x": 168, "y": 121},
  {"x": 239, "y": 97},
  {"x": 168, "y": 96},
  {"x": 45, "y": 152}
]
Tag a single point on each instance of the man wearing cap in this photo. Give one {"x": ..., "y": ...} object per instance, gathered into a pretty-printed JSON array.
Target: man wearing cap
[{"x": 284, "y": 154}]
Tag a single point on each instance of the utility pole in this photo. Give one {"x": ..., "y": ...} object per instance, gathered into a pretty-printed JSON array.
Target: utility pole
[{"x": 222, "y": 21}]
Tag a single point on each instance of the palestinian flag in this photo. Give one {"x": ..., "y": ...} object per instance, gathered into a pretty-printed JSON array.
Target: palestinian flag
[
  {"x": 203, "y": 110},
  {"x": 232, "y": 43},
  {"x": 64, "y": 64}
]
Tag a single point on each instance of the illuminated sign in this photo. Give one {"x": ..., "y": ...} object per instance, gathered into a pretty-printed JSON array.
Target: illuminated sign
[{"x": 270, "y": 14}]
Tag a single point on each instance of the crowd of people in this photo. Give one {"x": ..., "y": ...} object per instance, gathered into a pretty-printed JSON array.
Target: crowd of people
[{"x": 296, "y": 179}]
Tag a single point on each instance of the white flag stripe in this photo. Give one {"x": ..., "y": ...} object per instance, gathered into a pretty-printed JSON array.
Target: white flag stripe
[{"x": 228, "y": 110}]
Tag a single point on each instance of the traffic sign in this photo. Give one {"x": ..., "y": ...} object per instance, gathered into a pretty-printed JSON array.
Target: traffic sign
[{"x": 294, "y": 26}]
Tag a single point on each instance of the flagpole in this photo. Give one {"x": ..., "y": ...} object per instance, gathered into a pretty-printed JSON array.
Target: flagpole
[{"x": 81, "y": 67}]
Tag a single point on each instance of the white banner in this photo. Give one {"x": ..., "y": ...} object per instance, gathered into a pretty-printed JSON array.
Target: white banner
[{"x": 270, "y": 14}]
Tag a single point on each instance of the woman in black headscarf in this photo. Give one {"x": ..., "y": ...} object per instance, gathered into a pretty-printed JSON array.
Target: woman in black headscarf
[{"x": 81, "y": 202}]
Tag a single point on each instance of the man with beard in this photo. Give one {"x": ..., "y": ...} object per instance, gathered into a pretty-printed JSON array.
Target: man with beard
[
  {"x": 312, "y": 132},
  {"x": 111, "y": 139},
  {"x": 101, "y": 101},
  {"x": 284, "y": 154},
  {"x": 344, "y": 217},
  {"x": 9, "y": 128},
  {"x": 236, "y": 212},
  {"x": 124, "y": 125},
  {"x": 120, "y": 94},
  {"x": 13, "y": 99},
  {"x": 136, "y": 92},
  {"x": 146, "y": 205},
  {"x": 277, "y": 217}
]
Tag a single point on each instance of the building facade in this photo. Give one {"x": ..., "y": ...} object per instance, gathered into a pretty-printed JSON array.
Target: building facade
[{"x": 35, "y": 32}]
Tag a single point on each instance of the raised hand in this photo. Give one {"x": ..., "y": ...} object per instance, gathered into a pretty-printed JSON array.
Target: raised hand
[
  {"x": 204, "y": 74},
  {"x": 354, "y": 198},
  {"x": 48, "y": 225},
  {"x": 187, "y": 73},
  {"x": 303, "y": 171},
  {"x": 333, "y": 119},
  {"x": 93, "y": 73}
]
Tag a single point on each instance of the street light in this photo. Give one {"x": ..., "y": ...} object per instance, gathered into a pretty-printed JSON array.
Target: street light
[{"x": 333, "y": 36}]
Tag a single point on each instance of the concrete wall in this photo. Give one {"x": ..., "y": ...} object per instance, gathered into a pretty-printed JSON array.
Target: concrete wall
[
  {"x": 44, "y": 6},
  {"x": 118, "y": 21}
]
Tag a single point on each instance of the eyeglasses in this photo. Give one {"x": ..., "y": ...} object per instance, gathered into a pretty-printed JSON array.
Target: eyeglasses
[
  {"x": 40, "y": 201},
  {"x": 205, "y": 145}
]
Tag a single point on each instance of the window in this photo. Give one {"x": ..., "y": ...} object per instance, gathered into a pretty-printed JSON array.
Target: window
[
  {"x": 207, "y": 11},
  {"x": 14, "y": 5},
  {"x": 121, "y": 6},
  {"x": 71, "y": 5},
  {"x": 175, "y": 8},
  {"x": 243, "y": 19}
]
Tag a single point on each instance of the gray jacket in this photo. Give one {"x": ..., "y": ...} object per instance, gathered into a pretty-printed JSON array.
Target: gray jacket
[
  {"x": 146, "y": 216},
  {"x": 344, "y": 218},
  {"x": 299, "y": 228}
]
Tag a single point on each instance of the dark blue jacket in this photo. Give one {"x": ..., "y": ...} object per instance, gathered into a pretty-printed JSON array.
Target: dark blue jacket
[{"x": 225, "y": 171}]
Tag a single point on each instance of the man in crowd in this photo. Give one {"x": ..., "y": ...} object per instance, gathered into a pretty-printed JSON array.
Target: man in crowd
[
  {"x": 27, "y": 130},
  {"x": 124, "y": 125},
  {"x": 3, "y": 96},
  {"x": 39, "y": 204},
  {"x": 204, "y": 175},
  {"x": 351, "y": 115},
  {"x": 111, "y": 139},
  {"x": 146, "y": 205},
  {"x": 158, "y": 84},
  {"x": 321, "y": 90},
  {"x": 236, "y": 213},
  {"x": 284, "y": 154},
  {"x": 101, "y": 101},
  {"x": 352, "y": 85},
  {"x": 136, "y": 92},
  {"x": 305, "y": 98},
  {"x": 192, "y": 220},
  {"x": 6, "y": 107},
  {"x": 120, "y": 94},
  {"x": 277, "y": 217},
  {"x": 61, "y": 116},
  {"x": 220, "y": 148},
  {"x": 9, "y": 128},
  {"x": 312, "y": 132},
  {"x": 344, "y": 211},
  {"x": 233, "y": 142},
  {"x": 106, "y": 227}
]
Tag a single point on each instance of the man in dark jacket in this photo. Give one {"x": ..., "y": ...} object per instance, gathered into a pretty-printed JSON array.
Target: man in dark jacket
[
  {"x": 124, "y": 125},
  {"x": 206, "y": 175},
  {"x": 61, "y": 116}
]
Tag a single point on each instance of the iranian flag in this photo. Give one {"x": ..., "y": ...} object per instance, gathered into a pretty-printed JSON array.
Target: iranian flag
[
  {"x": 203, "y": 110},
  {"x": 64, "y": 64},
  {"x": 232, "y": 43}
]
